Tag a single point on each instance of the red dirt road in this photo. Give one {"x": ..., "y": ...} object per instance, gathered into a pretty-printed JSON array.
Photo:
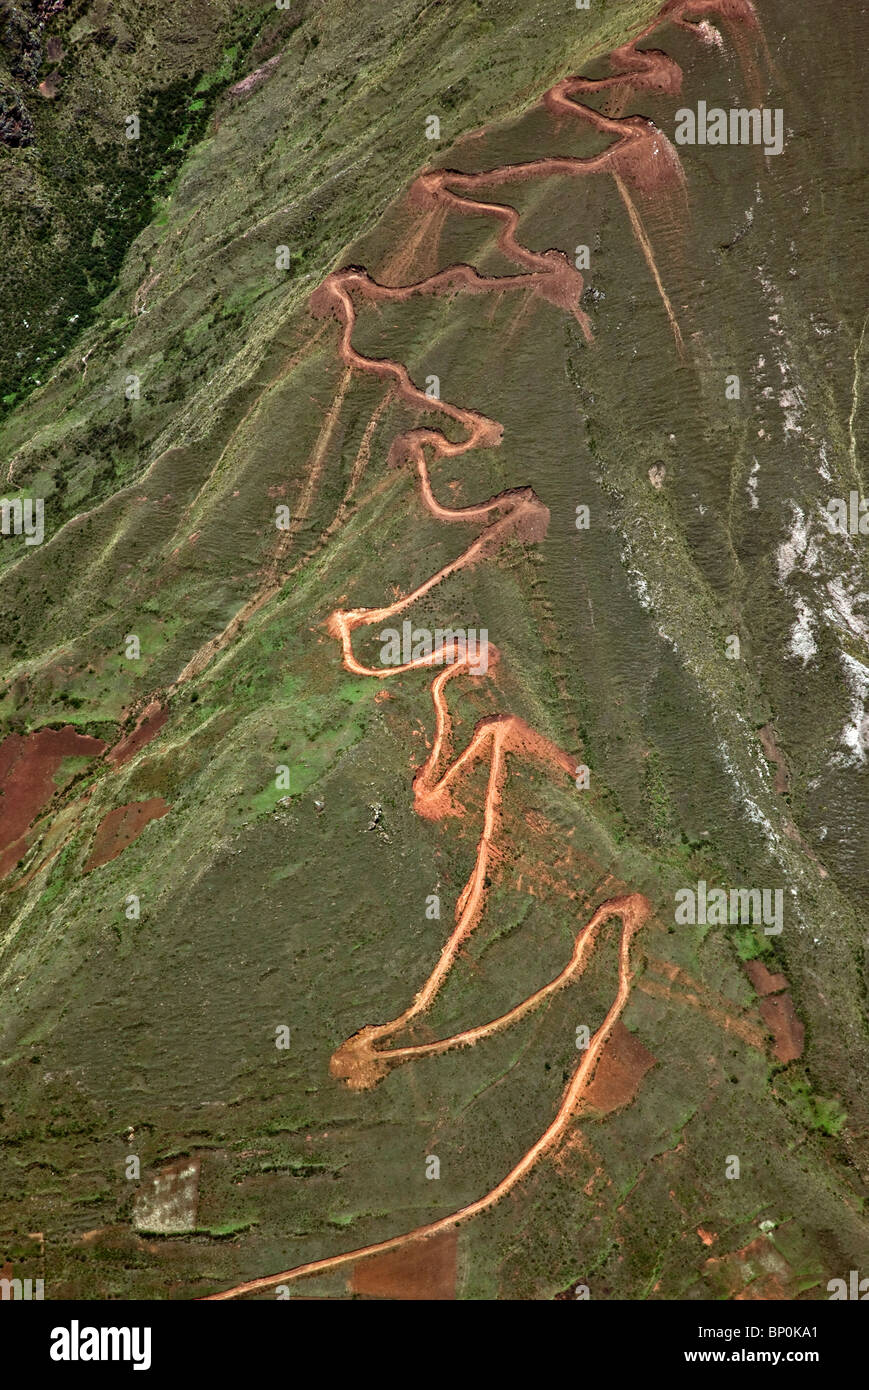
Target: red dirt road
[
  {"x": 641, "y": 157},
  {"x": 634, "y": 911}
]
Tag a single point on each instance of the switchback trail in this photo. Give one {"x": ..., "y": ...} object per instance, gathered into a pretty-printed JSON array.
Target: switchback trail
[{"x": 639, "y": 157}]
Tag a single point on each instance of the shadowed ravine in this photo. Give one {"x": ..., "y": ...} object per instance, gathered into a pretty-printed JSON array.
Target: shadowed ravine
[{"x": 641, "y": 158}]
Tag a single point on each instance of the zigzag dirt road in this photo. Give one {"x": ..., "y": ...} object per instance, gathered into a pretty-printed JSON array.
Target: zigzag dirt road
[{"x": 641, "y": 157}]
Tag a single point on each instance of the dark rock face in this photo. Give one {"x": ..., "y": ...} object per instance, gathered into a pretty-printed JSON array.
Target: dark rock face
[{"x": 16, "y": 125}]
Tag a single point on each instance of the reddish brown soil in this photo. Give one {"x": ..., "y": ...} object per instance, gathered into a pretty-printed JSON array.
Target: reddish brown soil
[
  {"x": 121, "y": 827},
  {"x": 426, "y": 1270},
  {"x": 763, "y": 981},
  {"x": 150, "y": 723},
  {"x": 622, "y": 1066},
  {"x": 254, "y": 79},
  {"x": 788, "y": 1033},
  {"x": 27, "y": 767}
]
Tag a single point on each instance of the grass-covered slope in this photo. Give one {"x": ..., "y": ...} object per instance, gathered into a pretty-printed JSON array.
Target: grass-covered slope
[{"x": 152, "y": 1036}]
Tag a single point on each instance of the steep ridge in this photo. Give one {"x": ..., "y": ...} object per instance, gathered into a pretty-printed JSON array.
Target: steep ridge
[{"x": 642, "y": 157}]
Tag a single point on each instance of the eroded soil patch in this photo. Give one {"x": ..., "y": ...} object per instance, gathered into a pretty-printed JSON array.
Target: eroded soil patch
[
  {"x": 622, "y": 1066},
  {"x": 27, "y": 767},
  {"x": 426, "y": 1270},
  {"x": 121, "y": 827}
]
